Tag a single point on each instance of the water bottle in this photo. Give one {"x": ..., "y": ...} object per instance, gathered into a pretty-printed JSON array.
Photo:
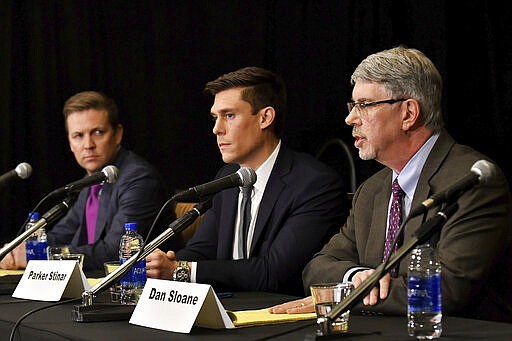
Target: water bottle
[
  {"x": 424, "y": 311},
  {"x": 134, "y": 280},
  {"x": 32, "y": 241}
]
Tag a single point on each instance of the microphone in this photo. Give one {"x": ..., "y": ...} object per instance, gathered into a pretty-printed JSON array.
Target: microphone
[
  {"x": 244, "y": 177},
  {"x": 481, "y": 172},
  {"x": 22, "y": 171},
  {"x": 108, "y": 174}
]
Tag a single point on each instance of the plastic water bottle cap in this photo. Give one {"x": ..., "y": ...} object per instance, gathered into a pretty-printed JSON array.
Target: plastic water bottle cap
[
  {"x": 34, "y": 215},
  {"x": 130, "y": 226}
]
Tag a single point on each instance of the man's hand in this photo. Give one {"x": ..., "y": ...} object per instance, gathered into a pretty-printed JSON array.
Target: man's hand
[
  {"x": 16, "y": 259},
  {"x": 303, "y": 305},
  {"x": 161, "y": 265},
  {"x": 377, "y": 292}
]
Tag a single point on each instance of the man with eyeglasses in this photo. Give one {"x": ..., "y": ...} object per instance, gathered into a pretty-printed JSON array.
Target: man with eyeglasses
[{"x": 396, "y": 120}]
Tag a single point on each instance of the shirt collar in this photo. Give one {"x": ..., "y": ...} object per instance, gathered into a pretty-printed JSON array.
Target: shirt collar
[
  {"x": 263, "y": 171},
  {"x": 410, "y": 174}
]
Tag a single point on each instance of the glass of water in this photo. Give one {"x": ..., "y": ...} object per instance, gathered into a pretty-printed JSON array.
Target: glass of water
[
  {"x": 326, "y": 296},
  {"x": 55, "y": 252}
]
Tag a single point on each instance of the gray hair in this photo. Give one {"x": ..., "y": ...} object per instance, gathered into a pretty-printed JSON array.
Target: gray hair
[{"x": 406, "y": 73}]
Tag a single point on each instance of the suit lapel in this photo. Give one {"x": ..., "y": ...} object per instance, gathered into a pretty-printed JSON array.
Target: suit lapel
[
  {"x": 424, "y": 187},
  {"x": 104, "y": 198},
  {"x": 80, "y": 236},
  {"x": 377, "y": 235},
  {"x": 273, "y": 189},
  {"x": 227, "y": 223}
]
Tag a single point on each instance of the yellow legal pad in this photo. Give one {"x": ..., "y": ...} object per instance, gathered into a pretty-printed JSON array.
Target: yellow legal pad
[
  {"x": 247, "y": 318},
  {"x": 10, "y": 272}
]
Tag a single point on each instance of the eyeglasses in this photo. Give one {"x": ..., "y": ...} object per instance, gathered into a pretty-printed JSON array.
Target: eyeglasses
[{"x": 361, "y": 107}]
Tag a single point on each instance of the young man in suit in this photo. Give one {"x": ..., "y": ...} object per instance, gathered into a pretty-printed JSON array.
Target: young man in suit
[
  {"x": 396, "y": 120},
  {"x": 297, "y": 203}
]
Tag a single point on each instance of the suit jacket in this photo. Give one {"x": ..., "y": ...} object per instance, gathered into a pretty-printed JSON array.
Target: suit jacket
[
  {"x": 136, "y": 196},
  {"x": 303, "y": 205},
  {"x": 471, "y": 246}
]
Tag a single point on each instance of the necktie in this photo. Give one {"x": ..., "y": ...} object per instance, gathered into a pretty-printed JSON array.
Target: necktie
[
  {"x": 395, "y": 219},
  {"x": 245, "y": 220},
  {"x": 91, "y": 212}
]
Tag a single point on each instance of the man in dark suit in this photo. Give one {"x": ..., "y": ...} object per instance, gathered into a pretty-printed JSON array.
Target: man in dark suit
[
  {"x": 297, "y": 203},
  {"x": 396, "y": 120},
  {"x": 94, "y": 134}
]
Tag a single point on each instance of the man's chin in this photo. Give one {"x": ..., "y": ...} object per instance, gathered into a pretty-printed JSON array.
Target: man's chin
[
  {"x": 228, "y": 159},
  {"x": 92, "y": 167}
]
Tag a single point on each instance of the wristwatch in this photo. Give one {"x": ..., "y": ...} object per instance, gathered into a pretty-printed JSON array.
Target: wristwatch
[{"x": 182, "y": 272}]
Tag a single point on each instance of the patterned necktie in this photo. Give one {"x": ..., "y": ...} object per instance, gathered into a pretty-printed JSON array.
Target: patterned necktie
[
  {"x": 91, "y": 212},
  {"x": 245, "y": 220},
  {"x": 395, "y": 219}
]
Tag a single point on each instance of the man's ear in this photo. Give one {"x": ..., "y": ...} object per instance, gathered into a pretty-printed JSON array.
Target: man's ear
[
  {"x": 119, "y": 133},
  {"x": 411, "y": 114},
  {"x": 267, "y": 116}
]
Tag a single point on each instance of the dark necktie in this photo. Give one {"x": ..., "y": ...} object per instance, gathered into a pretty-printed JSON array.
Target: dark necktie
[
  {"x": 245, "y": 221},
  {"x": 395, "y": 219},
  {"x": 91, "y": 212}
]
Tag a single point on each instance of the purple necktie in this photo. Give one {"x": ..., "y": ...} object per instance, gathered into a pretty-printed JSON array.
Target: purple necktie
[
  {"x": 91, "y": 212},
  {"x": 395, "y": 219}
]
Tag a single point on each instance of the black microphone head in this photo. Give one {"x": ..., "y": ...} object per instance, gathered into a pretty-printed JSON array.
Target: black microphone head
[
  {"x": 24, "y": 170},
  {"x": 247, "y": 175},
  {"x": 484, "y": 169},
  {"x": 112, "y": 173}
]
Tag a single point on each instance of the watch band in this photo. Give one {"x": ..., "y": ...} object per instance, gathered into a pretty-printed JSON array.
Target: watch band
[{"x": 182, "y": 272}]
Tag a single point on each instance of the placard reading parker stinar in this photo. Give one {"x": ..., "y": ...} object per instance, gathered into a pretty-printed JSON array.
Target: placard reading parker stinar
[
  {"x": 51, "y": 280},
  {"x": 177, "y": 306}
]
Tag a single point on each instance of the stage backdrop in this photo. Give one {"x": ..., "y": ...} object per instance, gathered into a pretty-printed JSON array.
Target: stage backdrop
[{"x": 154, "y": 57}]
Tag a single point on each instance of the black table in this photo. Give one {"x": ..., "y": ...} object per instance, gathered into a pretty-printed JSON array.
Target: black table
[{"x": 57, "y": 323}]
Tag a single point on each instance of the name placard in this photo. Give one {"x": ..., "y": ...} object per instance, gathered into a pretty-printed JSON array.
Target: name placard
[
  {"x": 51, "y": 280},
  {"x": 177, "y": 306}
]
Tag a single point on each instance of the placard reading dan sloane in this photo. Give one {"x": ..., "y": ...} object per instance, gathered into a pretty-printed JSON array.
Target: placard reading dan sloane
[
  {"x": 192, "y": 302},
  {"x": 173, "y": 296}
]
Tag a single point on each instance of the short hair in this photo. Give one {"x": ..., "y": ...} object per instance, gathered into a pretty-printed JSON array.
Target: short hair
[
  {"x": 261, "y": 88},
  {"x": 91, "y": 100},
  {"x": 407, "y": 73}
]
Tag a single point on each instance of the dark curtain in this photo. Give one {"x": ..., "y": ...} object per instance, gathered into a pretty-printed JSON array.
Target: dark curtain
[{"x": 154, "y": 57}]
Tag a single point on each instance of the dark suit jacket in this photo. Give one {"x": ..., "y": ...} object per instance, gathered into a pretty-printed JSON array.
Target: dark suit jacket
[
  {"x": 303, "y": 205},
  {"x": 471, "y": 245},
  {"x": 136, "y": 196}
]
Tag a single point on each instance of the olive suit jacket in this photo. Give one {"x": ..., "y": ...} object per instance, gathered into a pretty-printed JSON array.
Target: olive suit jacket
[{"x": 472, "y": 245}]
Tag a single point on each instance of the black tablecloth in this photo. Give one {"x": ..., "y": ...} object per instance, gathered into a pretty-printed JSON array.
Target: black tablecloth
[{"x": 57, "y": 323}]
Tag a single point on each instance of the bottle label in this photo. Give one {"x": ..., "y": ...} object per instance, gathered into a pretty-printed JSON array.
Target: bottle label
[
  {"x": 424, "y": 293},
  {"x": 40, "y": 251},
  {"x": 31, "y": 249},
  {"x": 136, "y": 276}
]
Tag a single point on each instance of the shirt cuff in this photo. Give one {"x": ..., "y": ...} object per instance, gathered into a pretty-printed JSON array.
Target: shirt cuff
[
  {"x": 193, "y": 270},
  {"x": 352, "y": 271}
]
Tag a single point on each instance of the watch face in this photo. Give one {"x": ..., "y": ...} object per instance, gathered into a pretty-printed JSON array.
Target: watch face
[{"x": 182, "y": 275}]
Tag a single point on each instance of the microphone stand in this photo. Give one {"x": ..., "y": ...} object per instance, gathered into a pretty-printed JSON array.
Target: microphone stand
[
  {"x": 49, "y": 217},
  {"x": 425, "y": 231},
  {"x": 87, "y": 312}
]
